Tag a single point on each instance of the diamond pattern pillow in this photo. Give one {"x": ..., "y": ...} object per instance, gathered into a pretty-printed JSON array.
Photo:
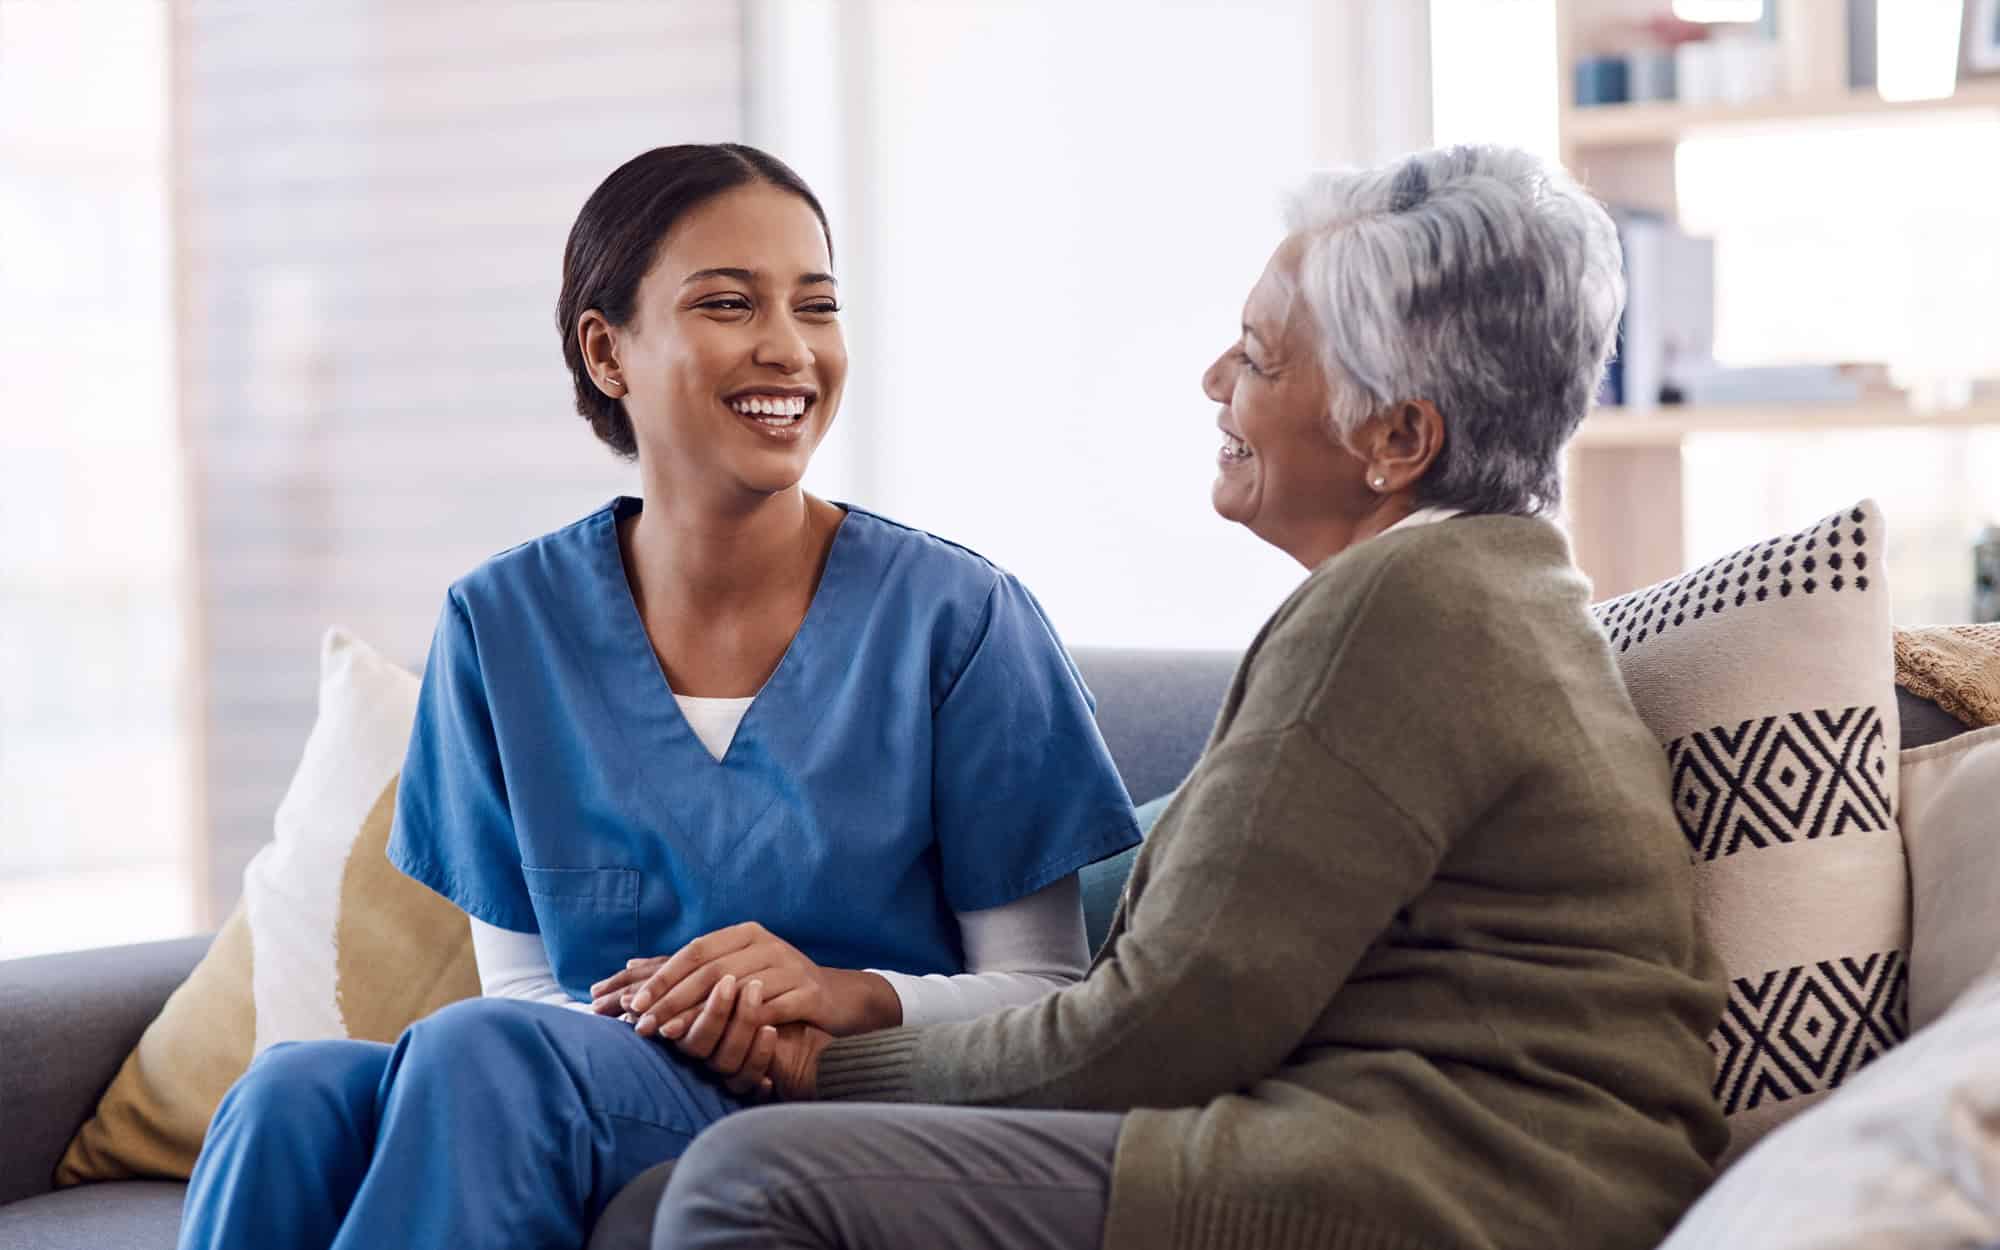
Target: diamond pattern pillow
[{"x": 1768, "y": 677}]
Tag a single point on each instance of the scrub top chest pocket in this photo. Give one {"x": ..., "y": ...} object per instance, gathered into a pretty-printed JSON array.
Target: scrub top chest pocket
[{"x": 589, "y": 919}]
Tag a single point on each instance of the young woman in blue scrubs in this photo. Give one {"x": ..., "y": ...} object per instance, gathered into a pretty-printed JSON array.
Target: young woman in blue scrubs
[{"x": 728, "y": 758}]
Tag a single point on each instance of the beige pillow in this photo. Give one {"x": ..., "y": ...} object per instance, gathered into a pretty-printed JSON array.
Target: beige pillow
[
  {"x": 1951, "y": 825},
  {"x": 329, "y": 940},
  {"x": 1769, "y": 678}
]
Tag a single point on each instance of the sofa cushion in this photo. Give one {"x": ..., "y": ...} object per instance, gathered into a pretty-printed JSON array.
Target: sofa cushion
[
  {"x": 1155, "y": 710},
  {"x": 329, "y": 940},
  {"x": 1768, "y": 677},
  {"x": 1924, "y": 722},
  {"x": 55, "y": 1061},
  {"x": 122, "y": 1215},
  {"x": 1950, "y": 794}
]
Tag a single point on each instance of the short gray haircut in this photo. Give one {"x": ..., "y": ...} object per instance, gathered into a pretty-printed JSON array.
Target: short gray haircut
[{"x": 1480, "y": 279}]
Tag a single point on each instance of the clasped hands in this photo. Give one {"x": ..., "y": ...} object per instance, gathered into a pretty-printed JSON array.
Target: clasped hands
[{"x": 749, "y": 1005}]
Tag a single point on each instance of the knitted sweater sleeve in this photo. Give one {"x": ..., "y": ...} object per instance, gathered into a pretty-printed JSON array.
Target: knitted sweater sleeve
[{"x": 1267, "y": 878}]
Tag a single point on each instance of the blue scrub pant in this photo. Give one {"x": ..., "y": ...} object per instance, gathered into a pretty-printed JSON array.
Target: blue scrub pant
[{"x": 489, "y": 1123}]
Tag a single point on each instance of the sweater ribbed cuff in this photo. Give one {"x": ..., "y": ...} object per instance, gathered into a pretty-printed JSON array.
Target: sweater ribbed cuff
[
  {"x": 874, "y": 1067},
  {"x": 1204, "y": 1223}
]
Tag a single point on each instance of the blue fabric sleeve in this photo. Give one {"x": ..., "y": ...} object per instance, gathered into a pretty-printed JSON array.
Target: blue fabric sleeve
[
  {"x": 453, "y": 831},
  {"x": 1023, "y": 789}
]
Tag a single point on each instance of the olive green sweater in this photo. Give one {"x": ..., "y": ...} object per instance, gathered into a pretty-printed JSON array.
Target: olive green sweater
[{"x": 1411, "y": 959}]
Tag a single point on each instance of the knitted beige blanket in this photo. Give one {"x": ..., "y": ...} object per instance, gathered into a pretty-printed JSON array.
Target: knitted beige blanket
[{"x": 1956, "y": 667}]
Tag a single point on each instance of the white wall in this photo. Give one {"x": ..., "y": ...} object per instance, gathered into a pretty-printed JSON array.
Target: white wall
[{"x": 1053, "y": 212}]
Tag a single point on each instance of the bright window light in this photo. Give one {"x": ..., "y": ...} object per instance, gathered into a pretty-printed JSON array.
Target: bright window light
[
  {"x": 1719, "y": 10},
  {"x": 96, "y": 776},
  {"x": 1852, "y": 242},
  {"x": 1492, "y": 63},
  {"x": 1916, "y": 49}
]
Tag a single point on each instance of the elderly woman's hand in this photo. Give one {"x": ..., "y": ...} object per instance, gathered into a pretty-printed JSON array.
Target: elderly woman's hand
[{"x": 794, "y": 1071}]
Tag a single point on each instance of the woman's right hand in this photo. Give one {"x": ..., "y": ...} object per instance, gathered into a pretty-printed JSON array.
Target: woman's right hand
[
  {"x": 725, "y": 1036},
  {"x": 755, "y": 1062}
]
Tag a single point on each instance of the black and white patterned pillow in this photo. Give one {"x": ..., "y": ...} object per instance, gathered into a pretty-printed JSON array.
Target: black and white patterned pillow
[{"x": 1768, "y": 676}]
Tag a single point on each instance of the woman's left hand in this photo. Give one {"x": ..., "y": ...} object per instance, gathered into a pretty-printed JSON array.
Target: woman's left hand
[
  {"x": 666, "y": 996},
  {"x": 754, "y": 1061}
]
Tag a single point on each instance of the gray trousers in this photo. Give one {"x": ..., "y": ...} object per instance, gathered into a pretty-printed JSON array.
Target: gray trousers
[{"x": 875, "y": 1176}]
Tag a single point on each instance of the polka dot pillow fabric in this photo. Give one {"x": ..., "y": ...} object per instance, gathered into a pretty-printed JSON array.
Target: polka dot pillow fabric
[{"x": 1831, "y": 557}]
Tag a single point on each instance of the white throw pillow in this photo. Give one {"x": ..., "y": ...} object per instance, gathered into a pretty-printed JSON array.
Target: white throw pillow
[
  {"x": 1951, "y": 825},
  {"x": 329, "y": 940},
  {"x": 1769, "y": 678},
  {"x": 292, "y": 888},
  {"x": 1907, "y": 1158}
]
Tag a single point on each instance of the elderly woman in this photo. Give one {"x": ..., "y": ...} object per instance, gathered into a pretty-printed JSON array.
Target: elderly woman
[{"x": 1410, "y": 960}]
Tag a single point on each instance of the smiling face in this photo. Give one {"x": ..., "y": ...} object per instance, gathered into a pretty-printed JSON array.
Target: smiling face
[
  {"x": 1282, "y": 472},
  {"x": 732, "y": 364}
]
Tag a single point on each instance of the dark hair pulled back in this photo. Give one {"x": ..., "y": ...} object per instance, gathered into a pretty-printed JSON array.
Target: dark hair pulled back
[{"x": 617, "y": 233}]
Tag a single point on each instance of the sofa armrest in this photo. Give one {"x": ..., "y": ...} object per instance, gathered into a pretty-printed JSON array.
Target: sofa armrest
[{"x": 66, "y": 1024}]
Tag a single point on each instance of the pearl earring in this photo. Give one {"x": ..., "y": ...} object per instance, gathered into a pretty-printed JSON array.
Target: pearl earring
[{"x": 1379, "y": 483}]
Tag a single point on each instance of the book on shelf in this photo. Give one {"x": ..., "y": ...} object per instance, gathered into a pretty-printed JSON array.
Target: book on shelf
[{"x": 1666, "y": 337}]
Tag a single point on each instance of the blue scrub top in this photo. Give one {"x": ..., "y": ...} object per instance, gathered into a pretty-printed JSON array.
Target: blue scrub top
[{"x": 924, "y": 747}]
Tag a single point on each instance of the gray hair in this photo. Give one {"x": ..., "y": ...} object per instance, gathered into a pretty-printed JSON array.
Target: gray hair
[{"x": 1480, "y": 279}]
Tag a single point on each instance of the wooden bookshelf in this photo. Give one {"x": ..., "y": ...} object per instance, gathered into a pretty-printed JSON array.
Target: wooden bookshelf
[
  {"x": 1611, "y": 428},
  {"x": 1652, "y": 125},
  {"x": 1623, "y": 500},
  {"x": 1623, "y": 491}
]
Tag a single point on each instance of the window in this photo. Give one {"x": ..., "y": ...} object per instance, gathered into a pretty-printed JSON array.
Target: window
[
  {"x": 96, "y": 797},
  {"x": 1870, "y": 243},
  {"x": 1493, "y": 73}
]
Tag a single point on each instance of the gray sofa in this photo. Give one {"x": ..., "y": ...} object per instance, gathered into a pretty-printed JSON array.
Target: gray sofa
[{"x": 68, "y": 1021}]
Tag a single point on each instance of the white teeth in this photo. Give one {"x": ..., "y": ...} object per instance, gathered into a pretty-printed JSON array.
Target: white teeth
[
  {"x": 787, "y": 407},
  {"x": 1234, "y": 448}
]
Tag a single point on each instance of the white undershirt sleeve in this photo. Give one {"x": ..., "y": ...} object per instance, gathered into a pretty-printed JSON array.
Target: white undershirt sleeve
[
  {"x": 1014, "y": 954},
  {"x": 516, "y": 965}
]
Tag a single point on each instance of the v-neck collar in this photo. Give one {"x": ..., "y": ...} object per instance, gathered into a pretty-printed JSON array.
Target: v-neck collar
[{"x": 641, "y": 690}]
